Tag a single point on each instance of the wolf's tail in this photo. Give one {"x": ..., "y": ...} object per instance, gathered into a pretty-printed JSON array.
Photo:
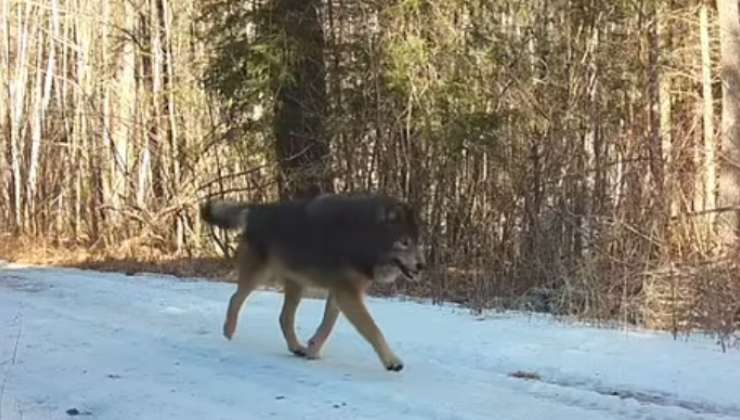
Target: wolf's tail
[{"x": 225, "y": 214}]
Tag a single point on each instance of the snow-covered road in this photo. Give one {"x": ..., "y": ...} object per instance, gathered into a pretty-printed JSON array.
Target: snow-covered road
[{"x": 107, "y": 346}]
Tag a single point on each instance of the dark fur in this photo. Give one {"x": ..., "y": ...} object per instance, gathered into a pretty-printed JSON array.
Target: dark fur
[{"x": 323, "y": 233}]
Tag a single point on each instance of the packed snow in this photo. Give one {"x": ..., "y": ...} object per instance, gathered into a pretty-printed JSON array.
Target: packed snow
[{"x": 97, "y": 345}]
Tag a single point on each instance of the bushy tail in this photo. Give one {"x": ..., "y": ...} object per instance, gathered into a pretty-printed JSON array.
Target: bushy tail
[{"x": 225, "y": 214}]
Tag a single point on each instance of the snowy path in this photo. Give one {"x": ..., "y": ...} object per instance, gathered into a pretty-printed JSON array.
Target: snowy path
[{"x": 146, "y": 347}]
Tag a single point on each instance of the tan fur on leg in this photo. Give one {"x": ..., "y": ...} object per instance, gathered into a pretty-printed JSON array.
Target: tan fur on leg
[
  {"x": 293, "y": 292},
  {"x": 331, "y": 313},
  {"x": 353, "y": 307},
  {"x": 251, "y": 272},
  {"x": 232, "y": 313}
]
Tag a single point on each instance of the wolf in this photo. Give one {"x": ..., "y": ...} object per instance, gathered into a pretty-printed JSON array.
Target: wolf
[{"x": 338, "y": 242}]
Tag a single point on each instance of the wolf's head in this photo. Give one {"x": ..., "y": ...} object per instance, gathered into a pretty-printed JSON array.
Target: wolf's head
[
  {"x": 404, "y": 256},
  {"x": 373, "y": 231}
]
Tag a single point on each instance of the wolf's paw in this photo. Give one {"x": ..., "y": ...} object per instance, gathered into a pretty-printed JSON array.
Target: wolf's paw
[
  {"x": 313, "y": 351},
  {"x": 299, "y": 351},
  {"x": 394, "y": 364},
  {"x": 229, "y": 330}
]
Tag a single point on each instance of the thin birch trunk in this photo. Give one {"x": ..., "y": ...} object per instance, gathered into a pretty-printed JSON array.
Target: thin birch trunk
[
  {"x": 41, "y": 104},
  {"x": 709, "y": 158},
  {"x": 122, "y": 128},
  {"x": 5, "y": 115},
  {"x": 664, "y": 37},
  {"x": 17, "y": 97}
]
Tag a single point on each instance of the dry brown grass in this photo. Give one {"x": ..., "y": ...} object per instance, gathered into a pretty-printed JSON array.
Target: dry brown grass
[{"x": 39, "y": 252}]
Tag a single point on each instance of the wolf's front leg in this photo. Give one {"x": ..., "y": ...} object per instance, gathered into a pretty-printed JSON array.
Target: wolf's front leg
[{"x": 353, "y": 307}]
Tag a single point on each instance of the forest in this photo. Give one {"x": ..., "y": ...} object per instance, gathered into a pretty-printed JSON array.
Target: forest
[{"x": 576, "y": 157}]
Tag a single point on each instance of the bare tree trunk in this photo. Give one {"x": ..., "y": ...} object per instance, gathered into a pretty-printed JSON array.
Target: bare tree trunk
[
  {"x": 122, "y": 131},
  {"x": 665, "y": 38},
  {"x": 709, "y": 158},
  {"x": 5, "y": 109},
  {"x": 729, "y": 163},
  {"x": 657, "y": 158},
  {"x": 85, "y": 155},
  {"x": 151, "y": 69},
  {"x": 176, "y": 142},
  {"x": 42, "y": 98},
  {"x": 17, "y": 87}
]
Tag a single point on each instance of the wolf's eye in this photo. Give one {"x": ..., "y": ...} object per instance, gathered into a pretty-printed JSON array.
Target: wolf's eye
[{"x": 403, "y": 243}]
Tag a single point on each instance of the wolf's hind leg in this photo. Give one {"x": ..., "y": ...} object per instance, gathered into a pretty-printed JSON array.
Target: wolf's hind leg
[
  {"x": 251, "y": 272},
  {"x": 331, "y": 313},
  {"x": 232, "y": 313},
  {"x": 293, "y": 292}
]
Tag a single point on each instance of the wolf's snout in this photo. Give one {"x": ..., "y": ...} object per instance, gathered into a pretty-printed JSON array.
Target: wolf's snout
[{"x": 420, "y": 266}]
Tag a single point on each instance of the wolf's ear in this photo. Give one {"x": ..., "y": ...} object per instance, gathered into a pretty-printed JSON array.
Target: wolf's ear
[{"x": 392, "y": 214}]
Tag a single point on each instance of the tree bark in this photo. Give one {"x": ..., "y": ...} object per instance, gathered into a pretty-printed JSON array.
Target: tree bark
[
  {"x": 5, "y": 111},
  {"x": 17, "y": 91},
  {"x": 729, "y": 159},
  {"x": 709, "y": 158},
  {"x": 665, "y": 40},
  {"x": 125, "y": 101},
  {"x": 655, "y": 83},
  {"x": 41, "y": 103}
]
